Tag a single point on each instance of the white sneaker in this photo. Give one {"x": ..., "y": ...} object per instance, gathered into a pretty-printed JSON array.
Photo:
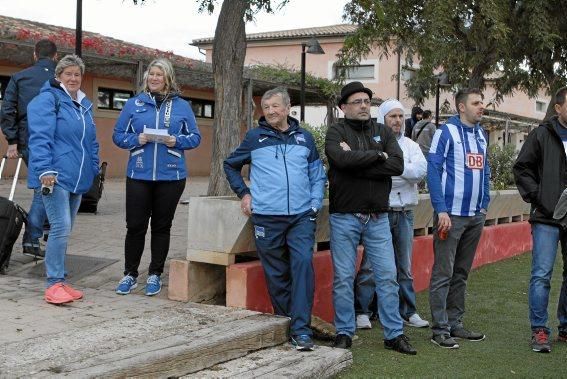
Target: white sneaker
[
  {"x": 416, "y": 321},
  {"x": 363, "y": 322}
]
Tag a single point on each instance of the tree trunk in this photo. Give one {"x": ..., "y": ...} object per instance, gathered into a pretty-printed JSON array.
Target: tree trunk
[
  {"x": 229, "y": 50},
  {"x": 554, "y": 84}
]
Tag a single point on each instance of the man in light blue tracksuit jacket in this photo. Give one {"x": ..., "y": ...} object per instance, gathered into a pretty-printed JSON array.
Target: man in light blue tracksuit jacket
[{"x": 286, "y": 192}]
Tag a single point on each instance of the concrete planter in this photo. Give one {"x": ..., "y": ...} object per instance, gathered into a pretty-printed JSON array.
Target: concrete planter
[
  {"x": 218, "y": 232},
  {"x": 217, "y": 229}
]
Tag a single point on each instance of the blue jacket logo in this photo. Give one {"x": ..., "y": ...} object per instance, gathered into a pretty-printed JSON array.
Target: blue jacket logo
[
  {"x": 299, "y": 138},
  {"x": 139, "y": 103},
  {"x": 377, "y": 138},
  {"x": 259, "y": 232}
]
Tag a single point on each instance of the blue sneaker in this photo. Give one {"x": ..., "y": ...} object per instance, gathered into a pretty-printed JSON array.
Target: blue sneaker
[
  {"x": 153, "y": 285},
  {"x": 126, "y": 285},
  {"x": 302, "y": 342}
]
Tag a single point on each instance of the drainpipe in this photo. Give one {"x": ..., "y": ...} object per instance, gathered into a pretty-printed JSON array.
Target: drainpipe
[{"x": 398, "y": 81}]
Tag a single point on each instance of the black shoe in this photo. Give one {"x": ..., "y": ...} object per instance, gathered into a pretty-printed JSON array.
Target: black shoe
[
  {"x": 342, "y": 341},
  {"x": 34, "y": 251},
  {"x": 465, "y": 334},
  {"x": 562, "y": 336},
  {"x": 400, "y": 344}
]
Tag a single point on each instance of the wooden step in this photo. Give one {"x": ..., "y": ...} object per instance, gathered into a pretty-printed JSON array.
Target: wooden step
[
  {"x": 281, "y": 362},
  {"x": 171, "y": 341}
]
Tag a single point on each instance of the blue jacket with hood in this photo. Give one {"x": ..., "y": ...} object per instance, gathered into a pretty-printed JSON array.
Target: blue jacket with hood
[
  {"x": 287, "y": 177},
  {"x": 155, "y": 161},
  {"x": 62, "y": 139}
]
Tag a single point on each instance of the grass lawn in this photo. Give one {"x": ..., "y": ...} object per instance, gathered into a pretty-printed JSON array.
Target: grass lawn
[{"x": 497, "y": 306}]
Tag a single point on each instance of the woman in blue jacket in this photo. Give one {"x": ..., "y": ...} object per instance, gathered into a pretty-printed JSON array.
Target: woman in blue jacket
[
  {"x": 157, "y": 126},
  {"x": 63, "y": 162}
]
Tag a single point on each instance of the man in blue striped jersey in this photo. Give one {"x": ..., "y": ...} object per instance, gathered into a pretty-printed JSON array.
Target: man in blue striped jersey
[{"x": 458, "y": 176}]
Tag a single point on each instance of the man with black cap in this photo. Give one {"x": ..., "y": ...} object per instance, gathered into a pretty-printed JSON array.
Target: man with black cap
[{"x": 363, "y": 156}]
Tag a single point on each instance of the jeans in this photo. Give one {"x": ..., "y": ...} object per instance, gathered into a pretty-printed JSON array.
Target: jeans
[
  {"x": 364, "y": 287},
  {"x": 545, "y": 239},
  {"x": 285, "y": 248},
  {"x": 401, "y": 227},
  {"x": 346, "y": 231},
  {"x": 36, "y": 214},
  {"x": 61, "y": 207},
  {"x": 147, "y": 199},
  {"x": 36, "y": 219},
  {"x": 453, "y": 259}
]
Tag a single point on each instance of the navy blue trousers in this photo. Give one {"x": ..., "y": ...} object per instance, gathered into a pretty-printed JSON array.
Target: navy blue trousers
[{"x": 285, "y": 247}]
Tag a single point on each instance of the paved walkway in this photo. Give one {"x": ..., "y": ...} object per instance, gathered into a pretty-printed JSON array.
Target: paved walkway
[{"x": 98, "y": 240}]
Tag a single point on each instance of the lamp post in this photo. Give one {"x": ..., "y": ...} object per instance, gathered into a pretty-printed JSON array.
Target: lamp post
[
  {"x": 79, "y": 29},
  {"x": 442, "y": 80},
  {"x": 313, "y": 47}
]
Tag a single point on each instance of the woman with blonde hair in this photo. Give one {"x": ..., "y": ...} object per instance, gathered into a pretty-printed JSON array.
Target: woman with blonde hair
[{"x": 156, "y": 126}]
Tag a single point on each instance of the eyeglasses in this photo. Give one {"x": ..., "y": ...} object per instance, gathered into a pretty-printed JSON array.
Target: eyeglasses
[{"x": 360, "y": 101}]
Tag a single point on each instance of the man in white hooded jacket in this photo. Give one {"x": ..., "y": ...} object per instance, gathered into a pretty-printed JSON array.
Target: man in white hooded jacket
[{"x": 403, "y": 200}]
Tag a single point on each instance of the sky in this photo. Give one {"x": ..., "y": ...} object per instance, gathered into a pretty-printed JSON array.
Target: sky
[{"x": 168, "y": 25}]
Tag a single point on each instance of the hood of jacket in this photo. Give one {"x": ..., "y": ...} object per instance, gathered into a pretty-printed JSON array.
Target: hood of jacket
[
  {"x": 55, "y": 86},
  {"x": 456, "y": 120},
  {"x": 292, "y": 122},
  {"x": 146, "y": 97},
  {"x": 358, "y": 125}
]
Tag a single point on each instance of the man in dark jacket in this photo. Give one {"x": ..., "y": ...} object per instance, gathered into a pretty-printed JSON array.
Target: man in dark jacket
[
  {"x": 541, "y": 177},
  {"x": 363, "y": 156},
  {"x": 21, "y": 89},
  {"x": 423, "y": 132},
  {"x": 416, "y": 115}
]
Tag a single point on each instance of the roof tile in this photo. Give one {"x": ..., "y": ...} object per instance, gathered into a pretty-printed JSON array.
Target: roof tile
[{"x": 339, "y": 30}]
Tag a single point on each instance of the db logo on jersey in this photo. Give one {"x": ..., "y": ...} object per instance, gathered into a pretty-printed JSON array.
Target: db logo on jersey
[{"x": 475, "y": 161}]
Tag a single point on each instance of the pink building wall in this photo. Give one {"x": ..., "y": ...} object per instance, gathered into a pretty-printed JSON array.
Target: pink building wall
[{"x": 287, "y": 52}]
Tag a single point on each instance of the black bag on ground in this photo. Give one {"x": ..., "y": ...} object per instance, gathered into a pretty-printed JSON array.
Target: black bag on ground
[
  {"x": 11, "y": 222},
  {"x": 12, "y": 218},
  {"x": 89, "y": 202}
]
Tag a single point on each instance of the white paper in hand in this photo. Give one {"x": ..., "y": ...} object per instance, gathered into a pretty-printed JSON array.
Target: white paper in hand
[{"x": 156, "y": 135}]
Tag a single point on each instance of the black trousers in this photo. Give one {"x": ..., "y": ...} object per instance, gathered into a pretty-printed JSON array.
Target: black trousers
[{"x": 145, "y": 200}]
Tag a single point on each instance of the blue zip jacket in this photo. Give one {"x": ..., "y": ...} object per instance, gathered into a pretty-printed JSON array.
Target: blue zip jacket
[
  {"x": 287, "y": 175},
  {"x": 62, "y": 139},
  {"x": 458, "y": 171},
  {"x": 22, "y": 88},
  {"x": 155, "y": 161}
]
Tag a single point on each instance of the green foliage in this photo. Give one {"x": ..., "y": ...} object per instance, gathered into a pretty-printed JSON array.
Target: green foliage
[
  {"x": 539, "y": 59},
  {"x": 292, "y": 76},
  {"x": 319, "y": 133},
  {"x": 518, "y": 43},
  {"x": 501, "y": 163}
]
